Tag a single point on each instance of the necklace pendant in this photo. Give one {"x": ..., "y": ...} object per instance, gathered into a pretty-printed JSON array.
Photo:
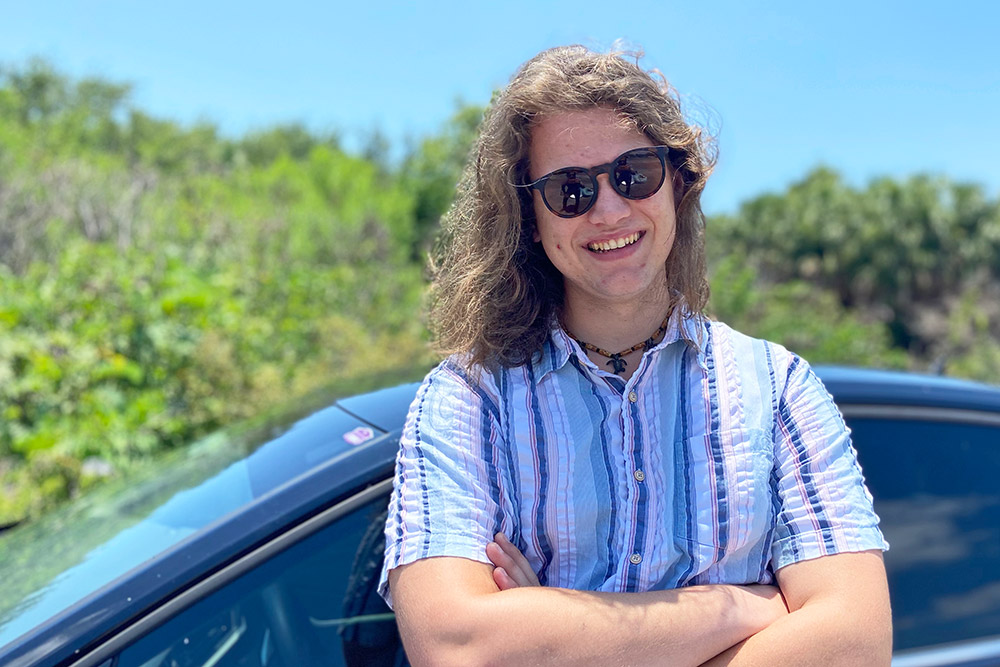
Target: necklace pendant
[{"x": 617, "y": 363}]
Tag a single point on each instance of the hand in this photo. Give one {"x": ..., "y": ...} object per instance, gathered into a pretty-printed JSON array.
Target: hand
[
  {"x": 511, "y": 567},
  {"x": 772, "y": 603}
]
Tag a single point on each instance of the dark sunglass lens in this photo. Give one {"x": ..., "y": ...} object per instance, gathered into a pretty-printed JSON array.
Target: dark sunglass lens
[
  {"x": 638, "y": 174},
  {"x": 569, "y": 193}
]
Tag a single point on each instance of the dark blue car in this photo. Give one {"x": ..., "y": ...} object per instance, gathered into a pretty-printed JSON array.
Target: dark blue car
[{"x": 264, "y": 549}]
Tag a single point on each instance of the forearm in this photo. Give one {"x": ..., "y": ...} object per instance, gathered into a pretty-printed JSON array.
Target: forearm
[
  {"x": 825, "y": 635},
  {"x": 559, "y": 626},
  {"x": 840, "y": 615},
  {"x": 676, "y": 627}
]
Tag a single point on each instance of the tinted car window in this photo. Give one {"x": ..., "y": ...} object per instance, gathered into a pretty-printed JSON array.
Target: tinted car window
[
  {"x": 937, "y": 489},
  {"x": 312, "y": 604}
]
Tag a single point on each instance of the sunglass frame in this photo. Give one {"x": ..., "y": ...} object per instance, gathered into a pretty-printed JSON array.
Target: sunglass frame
[{"x": 594, "y": 172}]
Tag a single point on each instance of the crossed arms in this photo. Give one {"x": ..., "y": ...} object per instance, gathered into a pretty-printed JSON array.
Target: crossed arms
[{"x": 830, "y": 611}]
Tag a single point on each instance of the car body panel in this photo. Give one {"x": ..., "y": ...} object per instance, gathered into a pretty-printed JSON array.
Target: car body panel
[
  {"x": 383, "y": 409},
  {"x": 878, "y": 387}
]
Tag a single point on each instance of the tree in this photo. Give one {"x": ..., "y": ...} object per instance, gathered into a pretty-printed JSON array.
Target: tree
[
  {"x": 433, "y": 169},
  {"x": 903, "y": 253}
]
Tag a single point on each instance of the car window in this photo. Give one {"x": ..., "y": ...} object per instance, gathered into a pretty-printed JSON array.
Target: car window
[
  {"x": 313, "y": 604},
  {"x": 936, "y": 486}
]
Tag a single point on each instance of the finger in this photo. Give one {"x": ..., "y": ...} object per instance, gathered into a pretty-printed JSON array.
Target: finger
[
  {"x": 502, "y": 560},
  {"x": 503, "y": 580},
  {"x": 521, "y": 568},
  {"x": 520, "y": 562},
  {"x": 497, "y": 555}
]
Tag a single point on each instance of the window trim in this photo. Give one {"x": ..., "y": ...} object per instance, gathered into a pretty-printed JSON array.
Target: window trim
[
  {"x": 973, "y": 653},
  {"x": 920, "y": 413},
  {"x": 229, "y": 573}
]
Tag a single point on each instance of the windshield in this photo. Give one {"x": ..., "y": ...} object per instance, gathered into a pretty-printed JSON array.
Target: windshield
[{"x": 51, "y": 564}]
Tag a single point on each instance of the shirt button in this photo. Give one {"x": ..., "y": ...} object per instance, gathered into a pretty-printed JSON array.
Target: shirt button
[
  {"x": 632, "y": 396},
  {"x": 639, "y": 475},
  {"x": 635, "y": 559}
]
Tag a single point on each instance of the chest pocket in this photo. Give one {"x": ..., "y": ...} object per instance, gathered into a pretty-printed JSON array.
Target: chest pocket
[{"x": 723, "y": 502}]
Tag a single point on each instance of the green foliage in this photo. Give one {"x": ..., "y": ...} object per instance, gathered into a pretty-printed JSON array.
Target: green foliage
[
  {"x": 292, "y": 141},
  {"x": 809, "y": 321},
  {"x": 433, "y": 170},
  {"x": 158, "y": 282},
  {"x": 906, "y": 254},
  {"x": 117, "y": 354}
]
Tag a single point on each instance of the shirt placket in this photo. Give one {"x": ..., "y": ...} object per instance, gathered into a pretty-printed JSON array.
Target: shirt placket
[{"x": 634, "y": 436}]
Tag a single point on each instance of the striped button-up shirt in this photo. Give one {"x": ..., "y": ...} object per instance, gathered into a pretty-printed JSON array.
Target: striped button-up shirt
[{"x": 721, "y": 460}]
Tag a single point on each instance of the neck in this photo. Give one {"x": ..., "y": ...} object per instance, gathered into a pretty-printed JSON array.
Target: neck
[{"x": 615, "y": 326}]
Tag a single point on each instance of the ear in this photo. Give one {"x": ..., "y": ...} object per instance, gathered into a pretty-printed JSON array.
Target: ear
[{"x": 535, "y": 236}]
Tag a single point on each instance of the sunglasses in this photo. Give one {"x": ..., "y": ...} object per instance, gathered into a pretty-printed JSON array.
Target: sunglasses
[{"x": 635, "y": 174}]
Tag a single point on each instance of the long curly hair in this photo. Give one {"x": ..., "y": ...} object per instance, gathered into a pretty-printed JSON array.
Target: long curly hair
[{"x": 494, "y": 292}]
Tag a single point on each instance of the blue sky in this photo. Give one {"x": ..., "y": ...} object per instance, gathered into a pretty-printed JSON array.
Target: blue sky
[{"x": 869, "y": 88}]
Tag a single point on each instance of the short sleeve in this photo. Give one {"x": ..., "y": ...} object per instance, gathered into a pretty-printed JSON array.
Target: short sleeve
[
  {"x": 824, "y": 506},
  {"x": 449, "y": 494}
]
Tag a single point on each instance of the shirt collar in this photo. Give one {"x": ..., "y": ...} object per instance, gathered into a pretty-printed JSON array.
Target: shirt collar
[
  {"x": 559, "y": 347},
  {"x": 555, "y": 352}
]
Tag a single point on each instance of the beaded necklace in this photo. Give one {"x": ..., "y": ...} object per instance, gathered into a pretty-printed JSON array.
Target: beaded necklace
[{"x": 615, "y": 358}]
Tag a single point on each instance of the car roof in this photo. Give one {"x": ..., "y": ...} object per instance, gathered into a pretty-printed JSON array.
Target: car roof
[{"x": 880, "y": 387}]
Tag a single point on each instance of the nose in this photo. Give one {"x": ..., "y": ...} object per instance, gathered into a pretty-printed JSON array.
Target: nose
[{"x": 610, "y": 206}]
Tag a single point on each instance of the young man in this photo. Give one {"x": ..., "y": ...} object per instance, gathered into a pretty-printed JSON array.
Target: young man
[{"x": 599, "y": 474}]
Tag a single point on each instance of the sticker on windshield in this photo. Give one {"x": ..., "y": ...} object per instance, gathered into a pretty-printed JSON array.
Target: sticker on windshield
[{"x": 360, "y": 435}]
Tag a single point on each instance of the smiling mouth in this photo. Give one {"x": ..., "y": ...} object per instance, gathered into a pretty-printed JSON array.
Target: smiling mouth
[{"x": 614, "y": 244}]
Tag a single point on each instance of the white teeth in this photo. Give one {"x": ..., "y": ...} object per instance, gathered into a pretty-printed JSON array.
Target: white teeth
[{"x": 614, "y": 244}]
